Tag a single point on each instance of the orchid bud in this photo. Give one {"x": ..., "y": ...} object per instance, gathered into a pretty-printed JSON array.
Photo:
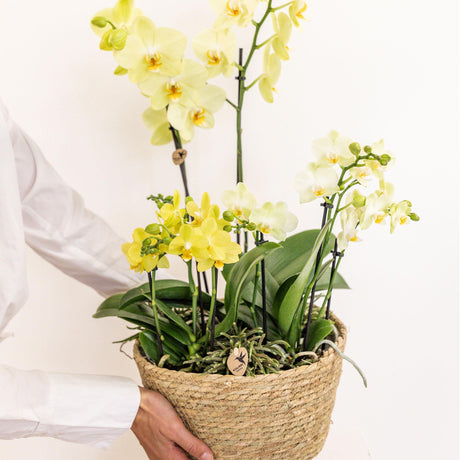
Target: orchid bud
[
  {"x": 228, "y": 216},
  {"x": 119, "y": 71},
  {"x": 99, "y": 21},
  {"x": 228, "y": 228},
  {"x": 105, "y": 44},
  {"x": 355, "y": 148},
  {"x": 251, "y": 226},
  {"x": 367, "y": 149},
  {"x": 188, "y": 199},
  {"x": 359, "y": 201},
  {"x": 153, "y": 229},
  {"x": 414, "y": 217},
  {"x": 167, "y": 240},
  {"x": 118, "y": 39},
  {"x": 384, "y": 159}
]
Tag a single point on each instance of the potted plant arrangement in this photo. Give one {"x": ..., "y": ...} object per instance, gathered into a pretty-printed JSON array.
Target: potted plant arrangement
[{"x": 254, "y": 375}]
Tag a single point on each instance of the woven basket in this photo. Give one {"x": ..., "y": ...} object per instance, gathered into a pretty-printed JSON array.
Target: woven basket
[{"x": 283, "y": 416}]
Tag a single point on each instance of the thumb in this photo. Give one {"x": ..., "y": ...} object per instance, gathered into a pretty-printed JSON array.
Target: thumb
[{"x": 192, "y": 445}]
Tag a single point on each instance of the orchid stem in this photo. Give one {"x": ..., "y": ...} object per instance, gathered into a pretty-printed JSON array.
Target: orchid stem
[{"x": 151, "y": 276}]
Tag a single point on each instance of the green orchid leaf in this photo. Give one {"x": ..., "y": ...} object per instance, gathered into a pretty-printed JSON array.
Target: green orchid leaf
[
  {"x": 239, "y": 279},
  {"x": 293, "y": 256},
  {"x": 150, "y": 346},
  {"x": 173, "y": 316},
  {"x": 319, "y": 330},
  {"x": 292, "y": 300}
]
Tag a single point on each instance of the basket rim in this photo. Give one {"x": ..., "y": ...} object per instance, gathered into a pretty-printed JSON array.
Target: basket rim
[{"x": 219, "y": 378}]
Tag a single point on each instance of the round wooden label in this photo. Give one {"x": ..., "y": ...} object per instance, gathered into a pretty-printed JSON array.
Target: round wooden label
[{"x": 237, "y": 362}]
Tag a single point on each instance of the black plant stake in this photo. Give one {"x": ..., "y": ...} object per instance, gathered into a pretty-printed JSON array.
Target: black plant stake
[
  {"x": 239, "y": 147},
  {"x": 178, "y": 145},
  {"x": 335, "y": 255},
  {"x": 326, "y": 206},
  {"x": 260, "y": 241}
]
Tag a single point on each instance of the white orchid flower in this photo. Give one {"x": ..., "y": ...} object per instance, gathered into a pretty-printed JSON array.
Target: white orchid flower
[
  {"x": 316, "y": 181},
  {"x": 375, "y": 166},
  {"x": 349, "y": 218},
  {"x": 333, "y": 149},
  {"x": 274, "y": 219},
  {"x": 400, "y": 214},
  {"x": 233, "y": 12},
  {"x": 217, "y": 49},
  {"x": 200, "y": 114},
  {"x": 240, "y": 201},
  {"x": 362, "y": 174},
  {"x": 272, "y": 71},
  {"x": 377, "y": 206},
  {"x": 282, "y": 26},
  {"x": 150, "y": 50},
  {"x": 164, "y": 90},
  {"x": 296, "y": 11}
]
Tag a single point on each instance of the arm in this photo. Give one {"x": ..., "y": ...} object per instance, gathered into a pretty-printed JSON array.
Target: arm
[{"x": 79, "y": 408}]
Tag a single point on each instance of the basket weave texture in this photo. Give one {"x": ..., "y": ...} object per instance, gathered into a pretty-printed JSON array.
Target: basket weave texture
[{"x": 283, "y": 416}]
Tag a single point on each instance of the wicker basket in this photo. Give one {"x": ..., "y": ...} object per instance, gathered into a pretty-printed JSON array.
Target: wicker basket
[{"x": 282, "y": 416}]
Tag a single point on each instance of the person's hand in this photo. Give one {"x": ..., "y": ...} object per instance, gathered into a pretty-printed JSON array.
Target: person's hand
[{"x": 161, "y": 432}]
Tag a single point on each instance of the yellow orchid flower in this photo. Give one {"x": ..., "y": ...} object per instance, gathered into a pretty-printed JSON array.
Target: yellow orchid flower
[
  {"x": 172, "y": 215},
  {"x": 217, "y": 49},
  {"x": 233, "y": 12},
  {"x": 220, "y": 249},
  {"x": 141, "y": 263},
  {"x": 296, "y": 11},
  {"x": 164, "y": 90},
  {"x": 157, "y": 121},
  {"x": 282, "y": 26},
  {"x": 150, "y": 50},
  {"x": 272, "y": 71},
  {"x": 209, "y": 100},
  {"x": 121, "y": 16},
  {"x": 199, "y": 213},
  {"x": 189, "y": 243}
]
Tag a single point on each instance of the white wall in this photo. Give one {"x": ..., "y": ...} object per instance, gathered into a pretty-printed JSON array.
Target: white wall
[{"x": 368, "y": 68}]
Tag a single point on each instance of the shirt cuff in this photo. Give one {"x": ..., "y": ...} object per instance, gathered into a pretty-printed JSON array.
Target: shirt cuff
[{"x": 88, "y": 409}]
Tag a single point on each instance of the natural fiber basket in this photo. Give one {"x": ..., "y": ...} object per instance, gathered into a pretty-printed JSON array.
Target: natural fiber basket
[{"x": 283, "y": 416}]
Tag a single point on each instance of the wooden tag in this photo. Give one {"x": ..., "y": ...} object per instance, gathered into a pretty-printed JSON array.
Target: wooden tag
[
  {"x": 237, "y": 362},
  {"x": 179, "y": 156}
]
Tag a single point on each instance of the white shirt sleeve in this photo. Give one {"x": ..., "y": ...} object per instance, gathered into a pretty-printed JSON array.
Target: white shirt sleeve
[{"x": 78, "y": 408}]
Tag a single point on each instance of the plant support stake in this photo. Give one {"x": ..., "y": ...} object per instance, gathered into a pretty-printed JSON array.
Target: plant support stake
[
  {"x": 183, "y": 172},
  {"x": 326, "y": 206}
]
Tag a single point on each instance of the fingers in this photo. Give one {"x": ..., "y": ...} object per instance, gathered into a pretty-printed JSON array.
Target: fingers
[{"x": 191, "y": 444}]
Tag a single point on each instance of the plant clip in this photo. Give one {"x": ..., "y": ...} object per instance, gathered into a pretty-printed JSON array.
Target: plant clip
[
  {"x": 261, "y": 241},
  {"x": 336, "y": 253},
  {"x": 240, "y": 78},
  {"x": 179, "y": 156},
  {"x": 327, "y": 205}
]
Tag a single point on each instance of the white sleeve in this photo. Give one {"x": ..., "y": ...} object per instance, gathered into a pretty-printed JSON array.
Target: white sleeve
[
  {"x": 86, "y": 409},
  {"x": 59, "y": 227},
  {"x": 78, "y": 408}
]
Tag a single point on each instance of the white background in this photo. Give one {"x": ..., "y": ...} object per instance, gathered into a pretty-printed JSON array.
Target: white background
[{"x": 368, "y": 68}]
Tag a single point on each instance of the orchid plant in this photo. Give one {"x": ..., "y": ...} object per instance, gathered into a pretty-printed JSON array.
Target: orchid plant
[{"x": 272, "y": 287}]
